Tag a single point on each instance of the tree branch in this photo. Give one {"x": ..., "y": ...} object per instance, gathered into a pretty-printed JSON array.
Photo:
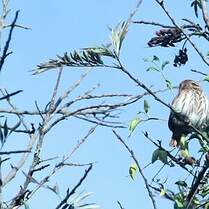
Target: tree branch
[
  {"x": 6, "y": 47},
  {"x": 205, "y": 12},
  {"x": 139, "y": 168},
  {"x": 69, "y": 193}
]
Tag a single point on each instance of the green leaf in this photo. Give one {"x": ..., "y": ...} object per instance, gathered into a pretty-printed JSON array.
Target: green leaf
[
  {"x": 2, "y": 137},
  {"x": 133, "y": 170},
  {"x": 168, "y": 84},
  {"x": 196, "y": 4},
  {"x": 5, "y": 129},
  {"x": 152, "y": 69},
  {"x": 178, "y": 205},
  {"x": 206, "y": 205},
  {"x": 185, "y": 153},
  {"x": 118, "y": 35},
  {"x": 181, "y": 183},
  {"x": 155, "y": 155},
  {"x": 183, "y": 143},
  {"x": 146, "y": 106},
  {"x": 196, "y": 202},
  {"x": 161, "y": 155},
  {"x": 102, "y": 51},
  {"x": 205, "y": 191},
  {"x": 179, "y": 201},
  {"x": 133, "y": 124},
  {"x": 155, "y": 58},
  {"x": 147, "y": 59},
  {"x": 162, "y": 192},
  {"x": 164, "y": 64},
  {"x": 82, "y": 197},
  {"x": 206, "y": 78}
]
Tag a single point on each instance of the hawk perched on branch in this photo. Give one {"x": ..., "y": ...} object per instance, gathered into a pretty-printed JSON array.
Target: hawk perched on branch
[{"x": 193, "y": 106}]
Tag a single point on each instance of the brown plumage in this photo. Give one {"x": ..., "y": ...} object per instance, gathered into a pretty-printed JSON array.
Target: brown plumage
[{"x": 192, "y": 104}]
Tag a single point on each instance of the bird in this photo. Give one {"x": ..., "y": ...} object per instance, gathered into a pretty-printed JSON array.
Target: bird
[{"x": 191, "y": 108}]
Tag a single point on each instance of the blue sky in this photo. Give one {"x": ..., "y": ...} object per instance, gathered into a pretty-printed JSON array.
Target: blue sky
[{"x": 60, "y": 26}]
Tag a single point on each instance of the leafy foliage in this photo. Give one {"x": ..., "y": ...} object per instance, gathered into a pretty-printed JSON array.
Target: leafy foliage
[
  {"x": 90, "y": 57},
  {"x": 118, "y": 36},
  {"x": 76, "y": 202}
]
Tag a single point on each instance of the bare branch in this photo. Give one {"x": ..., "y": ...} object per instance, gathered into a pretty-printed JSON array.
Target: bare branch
[
  {"x": 20, "y": 163},
  {"x": 69, "y": 193},
  {"x": 139, "y": 168},
  {"x": 205, "y": 12},
  {"x": 197, "y": 182},
  {"x": 152, "y": 23},
  {"x": 14, "y": 152},
  {"x": 6, "y": 47},
  {"x": 120, "y": 205}
]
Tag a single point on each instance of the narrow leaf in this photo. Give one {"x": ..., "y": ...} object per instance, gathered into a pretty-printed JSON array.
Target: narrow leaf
[
  {"x": 168, "y": 84},
  {"x": 118, "y": 35},
  {"x": 5, "y": 129},
  {"x": 185, "y": 153},
  {"x": 134, "y": 124},
  {"x": 205, "y": 191},
  {"x": 133, "y": 170},
  {"x": 146, "y": 106},
  {"x": 162, "y": 192},
  {"x": 155, "y": 58},
  {"x": 1, "y": 137},
  {"x": 196, "y": 202},
  {"x": 164, "y": 64},
  {"x": 181, "y": 183},
  {"x": 152, "y": 69},
  {"x": 82, "y": 197},
  {"x": 206, "y": 78},
  {"x": 206, "y": 205}
]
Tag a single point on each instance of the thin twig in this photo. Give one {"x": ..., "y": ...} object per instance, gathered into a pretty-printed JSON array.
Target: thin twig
[
  {"x": 152, "y": 23},
  {"x": 197, "y": 182},
  {"x": 139, "y": 168},
  {"x": 120, "y": 205},
  {"x": 10, "y": 95},
  {"x": 199, "y": 72},
  {"x": 205, "y": 12},
  {"x": 14, "y": 152},
  {"x": 69, "y": 193},
  {"x": 6, "y": 47}
]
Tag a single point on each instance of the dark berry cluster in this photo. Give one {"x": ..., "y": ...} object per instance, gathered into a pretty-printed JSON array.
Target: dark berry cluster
[
  {"x": 166, "y": 37},
  {"x": 181, "y": 58}
]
